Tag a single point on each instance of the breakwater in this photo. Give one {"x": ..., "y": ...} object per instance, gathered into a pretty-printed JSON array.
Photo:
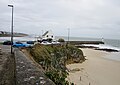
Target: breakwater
[{"x": 85, "y": 42}]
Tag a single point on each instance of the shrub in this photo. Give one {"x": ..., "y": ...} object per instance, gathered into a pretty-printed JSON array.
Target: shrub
[{"x": 61, "y": 40}]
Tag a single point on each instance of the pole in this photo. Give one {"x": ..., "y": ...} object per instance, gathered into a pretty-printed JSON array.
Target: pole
[
  {"x": 42, "y": 33},
  {"x": 12, "y": 32}
]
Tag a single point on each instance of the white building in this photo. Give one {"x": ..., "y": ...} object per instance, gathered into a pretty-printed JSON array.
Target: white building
[
  {"x": 2, "y": 32},
  {"x": 48, "y": 35}
]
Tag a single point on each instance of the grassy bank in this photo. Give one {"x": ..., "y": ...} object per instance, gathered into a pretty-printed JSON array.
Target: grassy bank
[{"x": 53, "y": 59}]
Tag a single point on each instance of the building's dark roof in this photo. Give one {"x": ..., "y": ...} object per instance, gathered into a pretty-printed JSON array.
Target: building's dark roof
[{"x": 45, "y": 33}]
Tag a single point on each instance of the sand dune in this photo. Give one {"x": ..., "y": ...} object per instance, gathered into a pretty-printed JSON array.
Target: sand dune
[{"x": 96, "y": 70}]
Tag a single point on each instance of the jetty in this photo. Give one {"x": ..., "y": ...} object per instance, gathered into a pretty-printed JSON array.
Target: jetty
[{"x": 84, "y": 42}]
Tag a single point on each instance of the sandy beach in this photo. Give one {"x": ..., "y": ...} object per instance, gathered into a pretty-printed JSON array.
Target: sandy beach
[{"x": 96, "y": 70}]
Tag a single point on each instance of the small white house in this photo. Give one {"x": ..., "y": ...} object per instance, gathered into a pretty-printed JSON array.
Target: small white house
[
  {"x": 2, "y": 32},
  {"x": 48, "y": 35}
]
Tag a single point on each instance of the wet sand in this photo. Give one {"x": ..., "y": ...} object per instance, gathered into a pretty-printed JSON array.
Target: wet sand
[{"x": 96, "y": 70}]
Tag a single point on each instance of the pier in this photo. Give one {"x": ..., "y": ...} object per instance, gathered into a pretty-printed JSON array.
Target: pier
[{"x": 85, "y": 42}]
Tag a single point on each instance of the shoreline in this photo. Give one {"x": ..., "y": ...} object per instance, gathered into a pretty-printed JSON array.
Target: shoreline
[{"x": 96, "y": 70}]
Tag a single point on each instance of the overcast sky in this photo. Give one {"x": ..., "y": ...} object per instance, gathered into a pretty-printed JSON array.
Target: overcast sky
[{"x": 85, "y": 18}]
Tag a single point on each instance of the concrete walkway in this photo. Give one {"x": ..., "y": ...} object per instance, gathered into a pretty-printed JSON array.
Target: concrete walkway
[
  {"x": 27, "y": 73},
  {"x": 7, "y": 66}
]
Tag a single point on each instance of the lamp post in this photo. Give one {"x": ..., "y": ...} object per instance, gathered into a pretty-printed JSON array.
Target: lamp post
[{"x": 11, "y": 28}]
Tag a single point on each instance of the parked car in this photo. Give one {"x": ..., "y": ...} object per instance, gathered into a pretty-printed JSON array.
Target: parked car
[
  {"x": 30, "y": 42},
  {"x": 55, "y": 42},
  {"x": 7, "y": 42},
  {"x": 45, "y": 43},
  {"x": 20, "y": 44}
]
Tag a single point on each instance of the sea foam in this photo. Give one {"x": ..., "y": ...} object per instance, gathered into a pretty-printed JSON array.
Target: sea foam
[{"x": 103, "y": 46}]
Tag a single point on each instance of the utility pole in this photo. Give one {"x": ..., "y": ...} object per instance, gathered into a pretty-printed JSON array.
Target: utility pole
[
  {"x": 68, "y": 34},
  {"x": 41, "y": 33}
]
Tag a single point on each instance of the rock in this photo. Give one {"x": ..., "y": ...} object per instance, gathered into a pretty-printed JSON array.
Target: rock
[
  {"x": 74, "y": 70},
  {"x": 42, "y": 82},
  {"x": 41, "y": 78},
  {"x": 32, "y": 77},
  {"x": 26, "y": 79}
]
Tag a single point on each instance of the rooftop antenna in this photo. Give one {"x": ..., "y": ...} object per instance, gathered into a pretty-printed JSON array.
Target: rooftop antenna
[{"x": 102, "y": 39}]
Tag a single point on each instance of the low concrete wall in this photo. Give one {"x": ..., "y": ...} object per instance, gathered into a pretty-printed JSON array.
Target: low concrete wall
[{"x": 27, "y": 72}]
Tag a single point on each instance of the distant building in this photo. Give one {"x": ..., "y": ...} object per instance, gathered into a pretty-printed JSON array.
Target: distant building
[
  {"x": 102, "y": 39},
  {"x": 48, "y": 35}
]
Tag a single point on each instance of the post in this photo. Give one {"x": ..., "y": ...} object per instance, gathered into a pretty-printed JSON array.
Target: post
[
  {"x": 80, "y": 78},
  {"x": 11, "y": 29},
  {"x": 12, "y": 32}
]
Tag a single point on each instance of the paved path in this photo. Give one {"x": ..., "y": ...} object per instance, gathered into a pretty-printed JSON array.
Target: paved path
[
  {"x": 6, "y": 66},
  {"x": 27, "y": 73},
  {"x": 5, "y": 48}
]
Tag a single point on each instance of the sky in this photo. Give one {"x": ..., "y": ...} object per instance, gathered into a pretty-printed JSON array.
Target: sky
[{"x": 84, "y": 18}]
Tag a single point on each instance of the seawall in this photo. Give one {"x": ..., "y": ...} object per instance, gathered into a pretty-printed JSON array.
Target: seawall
[
  {"x": 27, "y": 72},
  {"x": 84, "y": 42}
]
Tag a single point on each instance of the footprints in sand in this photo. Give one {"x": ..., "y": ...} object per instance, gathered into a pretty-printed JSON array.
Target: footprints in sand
[
  {"x": 80, "y": 76},
  {"x": 75, "y": 70}
]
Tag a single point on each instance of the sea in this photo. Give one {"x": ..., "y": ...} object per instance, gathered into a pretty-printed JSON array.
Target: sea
[{"x": 109, "y": 43}]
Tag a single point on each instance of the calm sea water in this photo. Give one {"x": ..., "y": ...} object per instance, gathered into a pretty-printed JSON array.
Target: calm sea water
[{"x": 115, "y": 43}]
